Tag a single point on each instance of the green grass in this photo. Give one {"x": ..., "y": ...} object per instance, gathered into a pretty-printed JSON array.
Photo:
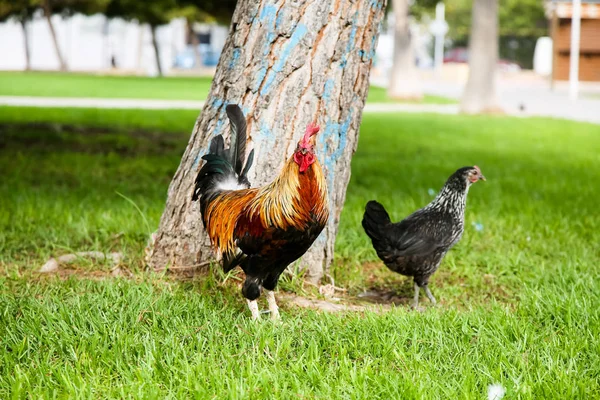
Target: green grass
[
  {"x": 47, "y": 84},
  {"x": 520, "y": 299},
  {"x": 379, "y": 95}
]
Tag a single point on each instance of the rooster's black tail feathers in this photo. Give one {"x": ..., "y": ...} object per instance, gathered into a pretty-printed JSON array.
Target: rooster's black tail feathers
[
  {"x": 374, "y": 221},
  {"x": 224, "y": 168}
]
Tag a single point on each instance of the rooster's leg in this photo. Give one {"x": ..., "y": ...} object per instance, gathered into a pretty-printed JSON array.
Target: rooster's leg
[
  {"x": 429, "y": 295},
  {"x": 253, "y": 306},
  {"x": 272, "y": 304},
  {"x": 415, "y": 303}
]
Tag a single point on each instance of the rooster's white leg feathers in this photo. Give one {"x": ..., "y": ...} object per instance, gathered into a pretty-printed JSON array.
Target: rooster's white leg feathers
[
  {"x": 272, "y": 304},
  {"x": 429, "y": 295},
  {"x": 253, "y": 306}
]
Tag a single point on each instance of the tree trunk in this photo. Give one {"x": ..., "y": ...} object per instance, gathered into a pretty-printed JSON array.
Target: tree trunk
[
  {"x": 286, "y": 65},
  {"x": 156, "y": 52},
  {"x": 480, "y": 92},
  {"x": 26, "y": 44},
  {"x": 195, "y": 43},
  {"x": 404, "y": 80},
  {"x": 59, "y": 56}
]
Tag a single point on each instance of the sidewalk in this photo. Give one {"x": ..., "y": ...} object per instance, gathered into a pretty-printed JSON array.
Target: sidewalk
[
  {"x": 523, "y": 94},
  {"x": 522, "y": 102}
]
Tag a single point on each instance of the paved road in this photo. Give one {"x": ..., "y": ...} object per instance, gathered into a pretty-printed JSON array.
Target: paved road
[
  {"x": 533, "y": 98},
  {"x": 522, "y": 94}
]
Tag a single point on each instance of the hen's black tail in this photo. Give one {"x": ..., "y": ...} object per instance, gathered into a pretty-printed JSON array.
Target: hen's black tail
[
  {"x": 375, "y": 221},
  {"x": 223, "y": 167}
]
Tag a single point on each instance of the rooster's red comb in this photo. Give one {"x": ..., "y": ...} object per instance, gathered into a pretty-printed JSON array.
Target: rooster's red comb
[{"x": 311, "y": 130}]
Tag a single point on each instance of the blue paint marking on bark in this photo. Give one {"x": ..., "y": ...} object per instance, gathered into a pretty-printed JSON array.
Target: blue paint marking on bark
[
  {"x": 297, "y": 36},
  {"x": 266, "y": 134},
  {"x": 270, "y": 78},
  {"x": 299, "y": 33},
  {"x": 279, "y": 20},
  {"x": 368, "y": 55},
  {"x": 260, "y": 77},
  {"x": 327, "y": 89},
  {"x": 268, "y": 20},
  {"x": 351, "y": 40},
  {"x": 219, "y": 125},
  {"x": 373, "y": 45},
  {"x": 376, "y": 4},
  {"x": 216, "y": 102},
  {"x": 197, "y": 160},
  {"x": 333, "y": 130},
  {"x": 268, "y": 13},
  {"x": 235, "y": 56}
]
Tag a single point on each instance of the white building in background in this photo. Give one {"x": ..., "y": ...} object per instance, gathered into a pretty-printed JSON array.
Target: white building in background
[{"x": 93, "y": 43}]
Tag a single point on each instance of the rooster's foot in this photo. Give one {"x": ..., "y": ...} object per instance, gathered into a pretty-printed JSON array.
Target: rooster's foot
[
  {"x": 273, "y": 308},
  {"x": 253, "y": 306}
]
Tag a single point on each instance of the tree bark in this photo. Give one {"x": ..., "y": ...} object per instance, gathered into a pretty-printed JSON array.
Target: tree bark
[
  {"x": 404, "y": 79},
  {"x": 48, "y": 13},
  {"x": 286, "y": 64},
  {"x": 26, "y": 44},
  {"x": 195, "y": 43},
  {"x": 156, "y": 51},
  {"x": 480, "y": 92}
]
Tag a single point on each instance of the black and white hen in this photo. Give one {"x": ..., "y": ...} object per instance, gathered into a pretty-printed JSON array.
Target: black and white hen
[{"x": 416, "y": 245}]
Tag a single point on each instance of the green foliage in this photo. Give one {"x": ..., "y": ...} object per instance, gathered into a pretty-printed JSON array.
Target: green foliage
[
  {"x": 522, "y": 18},
  {"x": 21, "y": 10},
  {"x": 154, "y": 12},
  {"x": 520, "y": 299},
  {"x": 517, "y": 18},
  {"x": 69, "y": 7},
  {"x": 216, "y": 10}
]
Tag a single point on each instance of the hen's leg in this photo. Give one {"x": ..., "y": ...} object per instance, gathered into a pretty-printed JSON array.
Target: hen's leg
[
  {"x": 415, "y": 303},
  {"x": 272, "y": 304},
  {"x": 253, "y": 306},
  {"x": 429, "y": 295}
]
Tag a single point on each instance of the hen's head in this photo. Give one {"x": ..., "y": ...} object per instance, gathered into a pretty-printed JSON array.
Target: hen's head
[
  {"x": 304, "y": 155},
  {"x": 466, "y": 176}
]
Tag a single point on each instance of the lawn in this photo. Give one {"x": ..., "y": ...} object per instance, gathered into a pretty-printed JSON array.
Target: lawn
[
  {"x": 48, "y": 84},
  {"x": 520, "y": 294}
]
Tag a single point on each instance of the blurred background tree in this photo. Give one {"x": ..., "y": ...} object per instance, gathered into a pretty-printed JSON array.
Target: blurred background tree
[
  {"x": 218, "y": 11},
  {"x": 154, "y": 13},
  {"x": 21, "y": 11},
  {"x": 521, "y": 23},
  {"x": 67, "y": 8}
]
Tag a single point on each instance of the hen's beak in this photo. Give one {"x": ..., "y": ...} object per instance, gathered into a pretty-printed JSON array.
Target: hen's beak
[{"x": 481, "y": 177}]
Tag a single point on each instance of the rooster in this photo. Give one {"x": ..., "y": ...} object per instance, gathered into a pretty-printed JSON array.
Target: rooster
[
  {"x": 263, "y": 230},
  {"x": 416, "y": 245}
]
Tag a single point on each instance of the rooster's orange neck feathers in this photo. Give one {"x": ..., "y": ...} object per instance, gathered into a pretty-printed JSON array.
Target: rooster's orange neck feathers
[{"x": 293, "y": 200}]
